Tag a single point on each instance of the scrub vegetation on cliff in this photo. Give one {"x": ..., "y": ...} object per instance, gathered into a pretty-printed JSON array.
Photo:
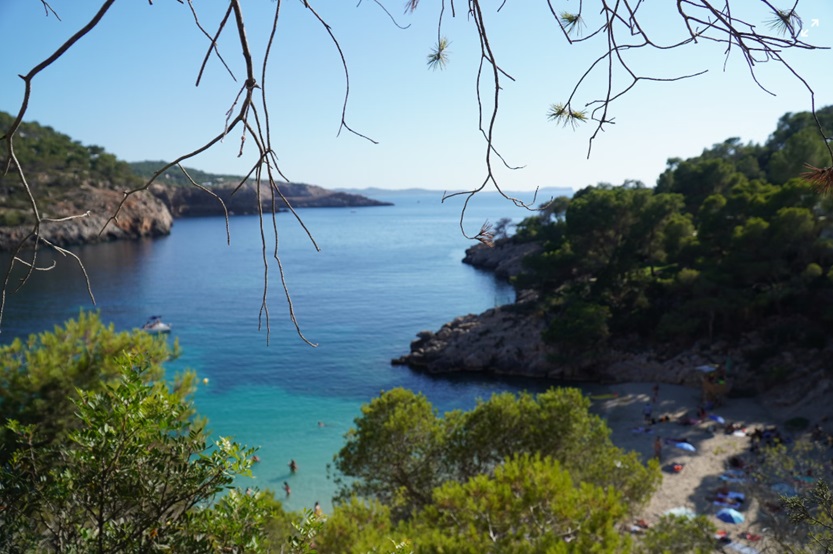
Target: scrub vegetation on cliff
[
  {"x": 58, "y": 167},
  {"x": 726, "y": 243}
]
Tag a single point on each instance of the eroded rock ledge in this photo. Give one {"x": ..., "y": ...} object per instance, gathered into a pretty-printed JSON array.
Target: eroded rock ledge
[
  {"x": 505, "y": 259},
  {"x": 503, "y": 340},
  {"x": 142, "y": 215}
]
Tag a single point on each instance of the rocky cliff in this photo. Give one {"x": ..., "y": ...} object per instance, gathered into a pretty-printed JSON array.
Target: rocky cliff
[
  {"x": 503, "y": 340},
  {"x": 142, "y": 215}
]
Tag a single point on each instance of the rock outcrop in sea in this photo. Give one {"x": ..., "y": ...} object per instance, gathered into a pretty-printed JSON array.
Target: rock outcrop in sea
[{"x": 503, "y": 340}]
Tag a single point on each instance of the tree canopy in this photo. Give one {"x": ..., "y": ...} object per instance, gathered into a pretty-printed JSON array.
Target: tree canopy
[
  {"x": 40, "y": 376},
  {"x": 102, "y": 452},
  {"x": 517, "y": 473},
  {"x": 715, "y": 249}
]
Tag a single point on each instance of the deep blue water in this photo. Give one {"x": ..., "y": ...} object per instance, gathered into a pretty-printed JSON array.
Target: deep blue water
[{"x": 382, "y": 275}]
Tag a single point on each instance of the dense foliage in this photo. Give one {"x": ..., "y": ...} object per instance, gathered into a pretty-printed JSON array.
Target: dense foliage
[
  {"x": 725, "y": 241},
  {"x": 40, "y": 377},
  {"x": 101, "y": 454},
  {"x": 57, "y": 167},
  {"x": 126, "y": 478},
  {"x": 511, "y": 475}
]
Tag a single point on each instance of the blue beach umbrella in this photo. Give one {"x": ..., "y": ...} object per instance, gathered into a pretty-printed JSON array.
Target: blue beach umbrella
[
  {"x": 784, "y": 489},
  {"x": 717, "y": 418},
  {"x": 685, "y": 446},
  {"x": 730, "y": 515}
]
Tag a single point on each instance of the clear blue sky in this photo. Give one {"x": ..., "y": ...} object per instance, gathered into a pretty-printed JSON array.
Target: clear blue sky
[{"x": 129, "y": 87}]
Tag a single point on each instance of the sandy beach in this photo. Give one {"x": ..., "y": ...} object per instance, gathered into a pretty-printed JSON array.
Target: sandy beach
[{"x": 694, "y": 486}]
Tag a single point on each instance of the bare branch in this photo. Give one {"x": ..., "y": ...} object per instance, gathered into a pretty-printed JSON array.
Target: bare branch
[
  {"x": 220, "y": 200},
  {"x": 384, "y": 9},
  {"x": 329, "y": 30},
  {"x": 213, "y": 46},
  {"x": 47, "y": 9}
]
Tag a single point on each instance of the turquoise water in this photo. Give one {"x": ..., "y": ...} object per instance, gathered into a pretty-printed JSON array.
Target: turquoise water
[{"x": 382, "y": 275}]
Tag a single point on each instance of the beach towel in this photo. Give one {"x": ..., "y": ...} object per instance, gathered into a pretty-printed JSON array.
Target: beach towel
[{"x": 742, "y": 548}]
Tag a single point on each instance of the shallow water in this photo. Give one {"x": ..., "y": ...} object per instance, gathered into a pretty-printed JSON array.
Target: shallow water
[{"x": 382, "y": 275}]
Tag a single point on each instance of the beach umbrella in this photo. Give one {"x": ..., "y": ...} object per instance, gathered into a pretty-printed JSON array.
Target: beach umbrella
[
  {"x": 684, "y": 446},
  {"x": 784, "y": 489},
  {"x": 717, "y": 418},
  {"x": 730, "y": 515},
  {"x": 681, "y": 511},
  {"x": 705, "y": 368}
]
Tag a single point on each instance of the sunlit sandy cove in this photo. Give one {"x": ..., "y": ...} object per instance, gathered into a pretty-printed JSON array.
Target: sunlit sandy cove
[{"x": 703, "y": 472}]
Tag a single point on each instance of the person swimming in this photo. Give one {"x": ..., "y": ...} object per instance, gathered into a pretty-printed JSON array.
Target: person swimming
[
  {"x": 286, "y": 488},
  {"x": 293, "y": 467}
]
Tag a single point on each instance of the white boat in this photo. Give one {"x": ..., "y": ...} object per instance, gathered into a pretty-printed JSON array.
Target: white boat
[{"x": 155, "y": 324}]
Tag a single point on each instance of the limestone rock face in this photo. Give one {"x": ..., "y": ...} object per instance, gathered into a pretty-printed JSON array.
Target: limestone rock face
[
  {"x": 151, "y": 213},
  {"x": 504, "y": 340},
  {"x": 142, "y": 215}
]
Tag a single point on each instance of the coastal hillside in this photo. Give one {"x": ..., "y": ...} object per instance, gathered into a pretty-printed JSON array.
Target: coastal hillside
[
  {"x": 727, "y": 262},
  {"x": 78, "y": 189}
]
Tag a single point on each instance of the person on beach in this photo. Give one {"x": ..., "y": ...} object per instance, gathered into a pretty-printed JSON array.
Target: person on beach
[
  {"x": 658, "y": 449},
  {"x": 293, "y": 467},
  {"x": 286, "y": 488},
  {"x": 656, "y": 393},
  {"x": 317, "y": 511},
  {"x": 647, "y": 411}
]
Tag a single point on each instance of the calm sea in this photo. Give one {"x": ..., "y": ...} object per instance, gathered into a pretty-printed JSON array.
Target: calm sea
[{"x": 382, "y": 275}]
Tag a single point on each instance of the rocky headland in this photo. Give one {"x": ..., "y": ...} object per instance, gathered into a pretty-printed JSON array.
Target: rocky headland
[
  {"x": 79, "y": 189},
  {"x": 506, "y": 340},
  {"x": 190, "y": 201},
  {"x": 151, "y": 213}
]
